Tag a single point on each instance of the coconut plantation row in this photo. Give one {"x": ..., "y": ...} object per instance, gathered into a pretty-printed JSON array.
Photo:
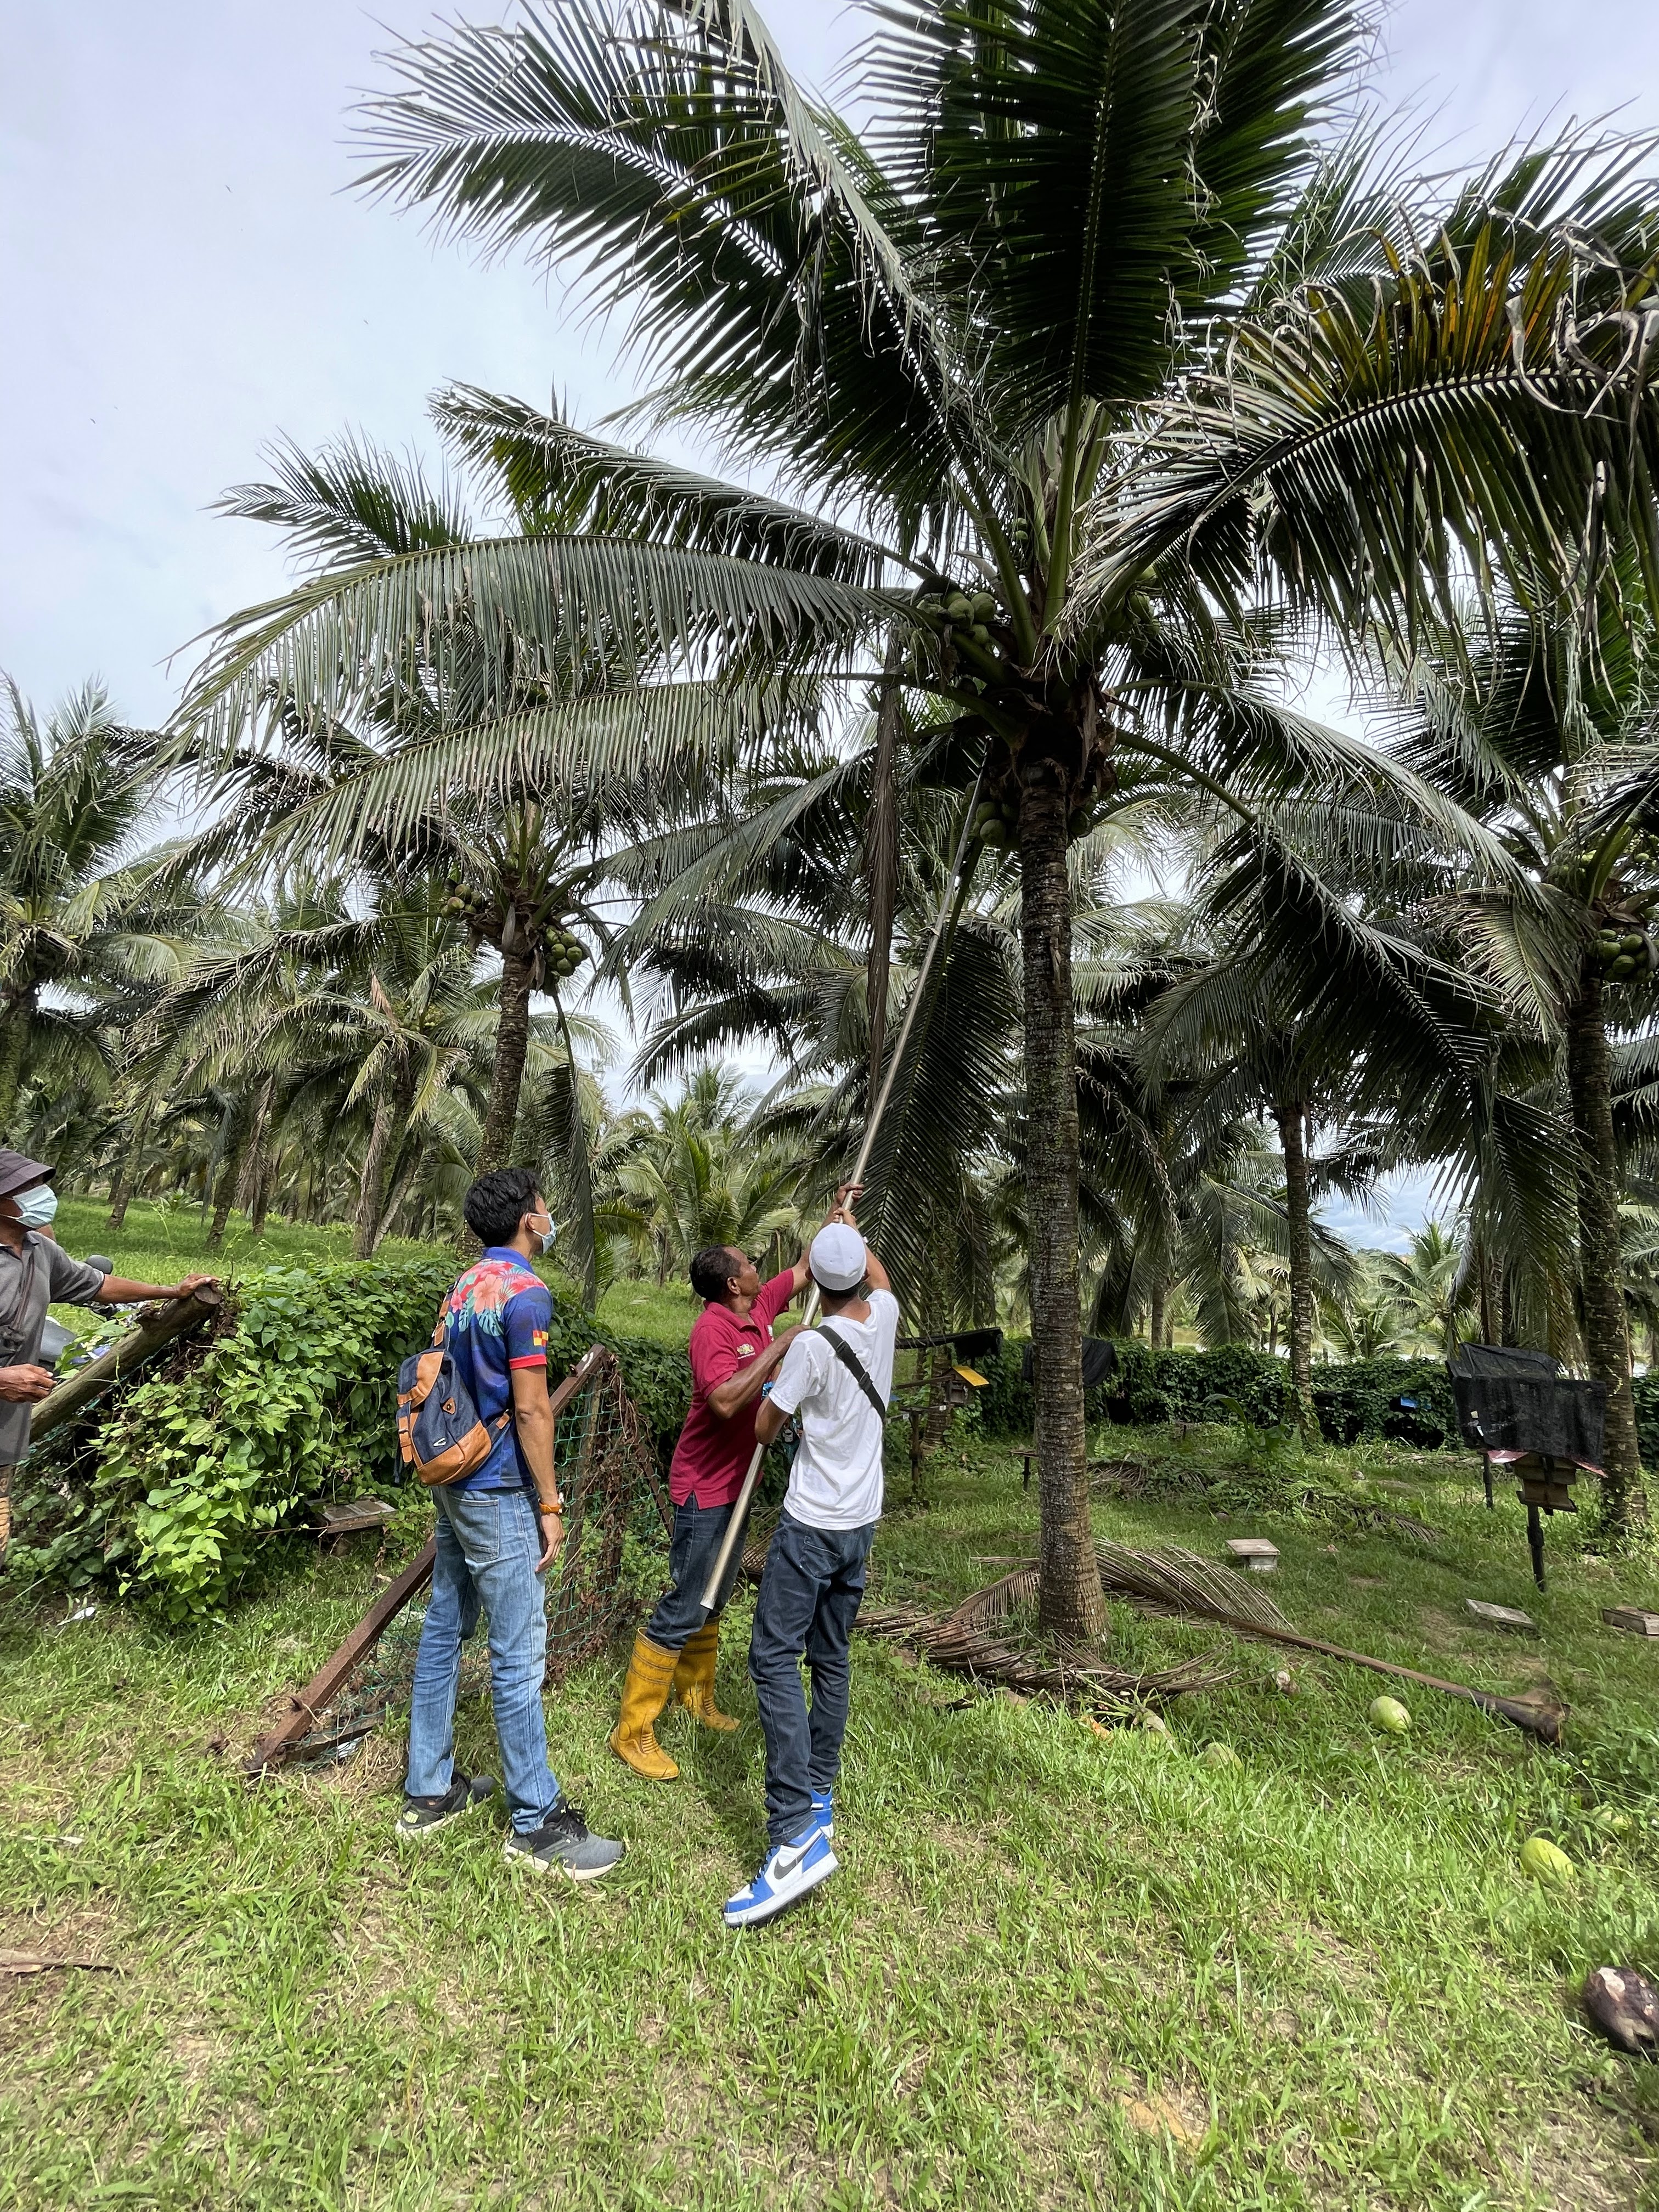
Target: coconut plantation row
[{"x": 1091, "y": 723}]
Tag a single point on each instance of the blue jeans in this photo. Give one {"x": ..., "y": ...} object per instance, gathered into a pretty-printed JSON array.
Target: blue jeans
[
  {"x": 489, "y": 1542},
  {"x": 809, "y": 1600},
  {"x": 699, "y": 1532}
]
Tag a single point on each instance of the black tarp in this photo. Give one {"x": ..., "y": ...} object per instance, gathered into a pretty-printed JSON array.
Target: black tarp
[
  {"x": 1099, "y": 1361},
  {"x": 968, "y": 1345},
  {"x": 1513, "y": 1401}
]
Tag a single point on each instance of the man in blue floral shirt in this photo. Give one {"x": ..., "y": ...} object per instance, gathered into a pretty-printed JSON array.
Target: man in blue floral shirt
[{"x": 498, "y": 1531}]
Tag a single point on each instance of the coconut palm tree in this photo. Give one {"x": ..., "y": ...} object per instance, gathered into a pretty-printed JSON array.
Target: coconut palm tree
[
  {"x": 82, "y": 923},
  {"x": 519, "y": 873},
  {"x": 1432, "y": 1287},
  {"x": 382, "y": 1009},
  {"x": 939, "y": 335},
  {"x": 1553, "y": 746},
  {"x": 697, "y": 1173}
]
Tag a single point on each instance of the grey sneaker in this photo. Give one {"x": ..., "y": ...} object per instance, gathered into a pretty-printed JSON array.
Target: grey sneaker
[
  {"x": 563, "y": 1845},
  {"x": 424, "y": 1816}
]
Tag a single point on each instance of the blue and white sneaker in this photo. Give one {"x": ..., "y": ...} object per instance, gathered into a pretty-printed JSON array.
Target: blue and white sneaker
[
  {"x": 788, "y": 1873},
  {"x": 823, "y": 1810}
]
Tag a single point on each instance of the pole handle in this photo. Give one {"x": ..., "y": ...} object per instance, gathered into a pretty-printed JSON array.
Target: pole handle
[{"x": 740, "y": 1511}]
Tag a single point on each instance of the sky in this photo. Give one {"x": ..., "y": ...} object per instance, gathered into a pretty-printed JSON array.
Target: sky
[{"x": 187, "y": 273}]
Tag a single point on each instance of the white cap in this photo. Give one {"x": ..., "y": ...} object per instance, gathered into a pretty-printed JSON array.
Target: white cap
[{"x": 838, "y": 1257}]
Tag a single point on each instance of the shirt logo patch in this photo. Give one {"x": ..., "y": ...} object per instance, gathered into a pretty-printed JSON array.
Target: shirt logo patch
[
  {"x": 539, "y": 1338},
  {"x": 745, "y": 1352}
]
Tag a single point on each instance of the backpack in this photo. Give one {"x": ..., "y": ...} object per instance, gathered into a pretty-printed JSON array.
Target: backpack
[{"x": 439, "y": 1431}]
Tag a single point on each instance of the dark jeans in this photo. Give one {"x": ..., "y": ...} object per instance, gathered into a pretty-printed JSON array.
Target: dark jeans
[
  {"x": 809, "y": 1600},
  {"x": 699, "y": 1532}
]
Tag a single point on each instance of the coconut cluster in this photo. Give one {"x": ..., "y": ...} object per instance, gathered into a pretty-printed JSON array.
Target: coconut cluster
[
  {"x": 555, "y": 950},
  {"x": 996, "y": 821},
  {"x": 563, "y": 954},
  {"x": 1620, "y": 954},
  {"x": 970, "y": 612},
  {"x": 463, "y": 899}
]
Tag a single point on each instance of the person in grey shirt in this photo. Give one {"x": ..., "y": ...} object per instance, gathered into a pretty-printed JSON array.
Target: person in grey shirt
[{"x": 35, "y": 1273}]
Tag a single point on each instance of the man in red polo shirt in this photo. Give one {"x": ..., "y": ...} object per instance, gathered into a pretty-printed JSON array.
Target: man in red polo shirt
[{"x": 732, "y": 1351}]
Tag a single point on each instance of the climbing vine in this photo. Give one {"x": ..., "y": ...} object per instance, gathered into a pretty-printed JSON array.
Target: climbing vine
[{"x": 175, "y": 1493}]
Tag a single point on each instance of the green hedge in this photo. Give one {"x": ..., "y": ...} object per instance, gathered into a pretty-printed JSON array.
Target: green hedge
[
  {"x": 1408, "y": 1401},
  {"x": 1645, "y": 1392},
  {"x": 174, "y": 1491}
]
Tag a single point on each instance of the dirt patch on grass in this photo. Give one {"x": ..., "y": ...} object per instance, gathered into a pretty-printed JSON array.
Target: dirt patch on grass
[{"x": 1576, "y": 2162}]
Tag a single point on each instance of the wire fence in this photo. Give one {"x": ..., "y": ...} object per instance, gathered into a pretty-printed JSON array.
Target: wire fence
[{"x": 613, "y": 1565}]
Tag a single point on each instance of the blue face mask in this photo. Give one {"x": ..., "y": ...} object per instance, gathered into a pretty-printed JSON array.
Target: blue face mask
[
  {"x": 36, "y": 1207},
  {"x": 548, "y": 1237}
]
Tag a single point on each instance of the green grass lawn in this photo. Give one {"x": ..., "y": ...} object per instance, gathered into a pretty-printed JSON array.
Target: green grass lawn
[
  {"x": 160, "y": 1243},
  {"x": 636, "y": 1309},
  {"x": 1057, "y": 1969},
  {"x": 157, "y": 1243}
]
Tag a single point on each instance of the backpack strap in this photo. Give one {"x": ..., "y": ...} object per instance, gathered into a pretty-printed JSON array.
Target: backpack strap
[{"x": 855, "y": 1366}]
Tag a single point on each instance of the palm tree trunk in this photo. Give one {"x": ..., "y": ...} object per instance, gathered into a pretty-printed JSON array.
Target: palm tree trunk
[
  {"x": 15, "y": 1013},
  {"x": 251, "y": 1183},
  {"x": 1154, "y": 1315},
  {"x": 1606, "y": 1334},
  {"x": 1292, "y": 1139},
  {"x": 1490, "y": 1298},
  {"x": 385, "y": 1138},
  {"x": 1070, "y": 1601},
  {"x": 404, "y": 1169},
  {"x": 127, "y": 1168},
  {"x": 224, "y": 1196},
  {"x": 263, "y": 1191},
  {"x": 512, "y": 1043},
  {"x": 881, "y": 864}
]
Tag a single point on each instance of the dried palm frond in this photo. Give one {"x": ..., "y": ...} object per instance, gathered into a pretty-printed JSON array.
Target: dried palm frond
[
  {"x": 1169, "y": 1581},
  {"x": 1012, "y": 1594},
  {"x": 1082, "y": 1681}
]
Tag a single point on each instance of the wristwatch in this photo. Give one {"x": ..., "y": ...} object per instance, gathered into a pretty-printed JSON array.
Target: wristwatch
[{"x": 556, "y": 1508}]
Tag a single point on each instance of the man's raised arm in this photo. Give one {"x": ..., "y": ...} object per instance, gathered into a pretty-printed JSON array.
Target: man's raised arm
[{"x": 744, "y": 1387}]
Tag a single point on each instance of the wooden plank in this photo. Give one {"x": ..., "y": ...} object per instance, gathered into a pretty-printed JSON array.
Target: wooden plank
[
  {"x": 157, "y": 1324},
  {"x": 355, "y": 1513},
  {"x": 1254, "y": 1553},
  {"x": 1632, "y": 1619},
  {"x": 1499, "y": 1616},
  {"x": 332, "y": 1676}
]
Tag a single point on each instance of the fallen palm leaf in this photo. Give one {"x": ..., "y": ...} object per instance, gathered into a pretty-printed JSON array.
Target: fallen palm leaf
[
  {"x": 1172, "y": 1582},
  {"x": 997, "y": 1600},
  {"x": 956, "y": 1644}
]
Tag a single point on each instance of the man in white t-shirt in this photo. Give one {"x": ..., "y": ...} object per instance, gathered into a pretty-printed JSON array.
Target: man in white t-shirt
[{"x": 835, "y": 1380}]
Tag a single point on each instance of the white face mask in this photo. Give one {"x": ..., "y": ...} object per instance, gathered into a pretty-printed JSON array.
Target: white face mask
[
  {"x": 36, "y": 1207},
  {"x": 548, "y": 1237}
]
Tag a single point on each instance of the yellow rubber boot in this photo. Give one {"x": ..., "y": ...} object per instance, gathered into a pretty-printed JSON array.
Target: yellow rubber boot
[
  {"x": 694, "y": 1678},
  {"x": 645, "y": 1694}
]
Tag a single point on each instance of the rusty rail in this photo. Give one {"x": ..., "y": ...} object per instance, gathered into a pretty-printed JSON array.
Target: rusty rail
[{"x": 307, "y": 1704}]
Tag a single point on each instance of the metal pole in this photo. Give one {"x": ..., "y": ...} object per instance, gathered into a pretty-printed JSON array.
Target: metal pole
[
  {"x": 745, "y": 1496},
  {"x": 1535, "y": 1544}
]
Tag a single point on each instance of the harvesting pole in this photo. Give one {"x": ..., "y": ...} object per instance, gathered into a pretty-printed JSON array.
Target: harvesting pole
[{"x": 717, "y": 1573}]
